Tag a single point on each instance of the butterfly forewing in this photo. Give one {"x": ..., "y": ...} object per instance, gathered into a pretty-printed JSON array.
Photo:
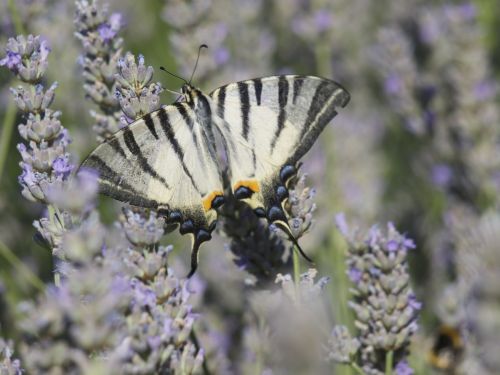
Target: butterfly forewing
[
  {"x": 161, "y": 161},
  {"x": 269, "y": 124}
]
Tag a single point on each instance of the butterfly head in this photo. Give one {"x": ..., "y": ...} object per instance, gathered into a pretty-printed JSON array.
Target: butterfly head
[{"x": 189, "y": 92}]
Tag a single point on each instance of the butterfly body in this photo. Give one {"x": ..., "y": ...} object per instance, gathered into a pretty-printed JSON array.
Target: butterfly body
[{"x": 169, "y": 159}]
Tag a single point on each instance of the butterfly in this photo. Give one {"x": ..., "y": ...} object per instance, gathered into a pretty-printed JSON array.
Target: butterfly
[{"x": 169, "y": 160}]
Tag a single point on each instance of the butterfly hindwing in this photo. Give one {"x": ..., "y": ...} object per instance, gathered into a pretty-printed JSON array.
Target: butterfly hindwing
[
  {"x": 163, "y": 161},
  {"x": 268, "y": 124}
]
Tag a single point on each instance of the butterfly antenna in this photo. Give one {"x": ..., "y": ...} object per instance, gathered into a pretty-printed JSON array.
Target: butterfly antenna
[
  {"x": 196, "y": 64},
  {"x": 174, "y": 92},
  {"x": 172, "y": 74}
]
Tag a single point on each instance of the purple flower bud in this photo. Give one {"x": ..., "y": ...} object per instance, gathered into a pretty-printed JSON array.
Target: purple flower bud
[
  {"x": 355, "y": 274},
  {"x": 62, "y": 167},
  {"x": 221, "y": 55},
  {"x": 413, "y": 303},
  {"x": 44, "y": 50},
  {"x": 12, "y": 61},
  {"x": 467, "y": 11},
  {"x": 322, "y": 20},
  {"x": 106, "y": 32},
  {"x": 342, "y": 224},
  {"x": 441, "y": 175},
  {"x": 116, "y": 21},
  {"x": 393, "y": 84},
  {"x": 27, "y": 176},
  {"x": 402, "y": 368},
  {"x": 392, "y": 246}
]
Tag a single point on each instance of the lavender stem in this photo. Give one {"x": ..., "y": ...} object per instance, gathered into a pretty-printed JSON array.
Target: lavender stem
[
  {"x": 8, "y": 125},
  {"x": 296, "y": 267},
  {"x": 18, "y": 264},
  {"x": 357, "y": 369},
  {"x": 18, "y": 25},
  {"x": 389, "y": 359}
]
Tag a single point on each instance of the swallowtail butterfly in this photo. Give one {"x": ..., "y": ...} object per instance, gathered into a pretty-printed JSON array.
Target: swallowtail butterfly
[{"x": 168, "y": 160}]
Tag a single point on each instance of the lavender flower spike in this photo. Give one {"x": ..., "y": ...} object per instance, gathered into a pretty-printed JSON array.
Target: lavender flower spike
[
  {"x": 45, "y": 163},
  {"x": 102, "y": 50},
  {"x": 384, "y": 304},
  {"x": 8, "y": 365}
]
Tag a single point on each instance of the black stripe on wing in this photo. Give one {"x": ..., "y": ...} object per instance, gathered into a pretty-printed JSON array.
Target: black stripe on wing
[
  {"x": 327, "y": 97},
  {"x": 167, "y": 130},
  {"x": 113, "y": 185},
  {"x": 297, "y": 86},
  {"x": 245, "y": 108},
  {"x": 135, "y": 150},
  {"x": 283, "y": 88},
  {"x": 257, "y": 84},
  {"x": 114, "y": 143},
  {"x": 150, "y": 125},
  {"x": 221, "y": 99}
]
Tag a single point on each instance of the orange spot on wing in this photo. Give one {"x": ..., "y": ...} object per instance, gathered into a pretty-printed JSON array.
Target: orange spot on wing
[
  {"x": 251, "y": 184},
  {"x": 209, "y": 198}
]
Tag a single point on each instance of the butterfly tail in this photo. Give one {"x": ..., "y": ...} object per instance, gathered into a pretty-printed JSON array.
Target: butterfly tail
[{"x": 198, "y": 238}]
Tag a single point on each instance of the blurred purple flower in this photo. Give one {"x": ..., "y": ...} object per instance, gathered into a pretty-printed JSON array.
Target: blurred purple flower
[
  {"x": 393, "y": 84},
  {"x": 342, "y": 224},
  {"x": 27, "y": 177},
  {"x": 392, "y": 245},
  {"x": 402, "y": 368},
  {"x": 413, "y": 302},
  {"x": 322, "y": 20},
  {"x": 106, "y": 32},
  {"x": 116, "y": 21},
  {"x": 62, "y": 167},
  {"x": 354, "y": 274},
  {"x": 441, "y": 175},
  {"x": 221, "y": 55},
  {"x": 485, "y": 90},
  {"x": 12, "y": 61}
]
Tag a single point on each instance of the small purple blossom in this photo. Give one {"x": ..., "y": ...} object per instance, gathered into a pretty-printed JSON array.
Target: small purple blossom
[
  {"x": 485, "y": 90},
  {"x": 402, "y": 368},
  {"x": 441, "y": 175},
  {"x": 62, "y": 167},
  {"x": 355, "y": 274},
  {"x": 221, "y": 55},
  {"x": 392, "y": 246},
  {"x": 341, "y": 223},
  {"x": 12, "y": 61},
  {"x": 413, "y": 302},
  {"x": 322, "y": 20},
  {"x": 393, "y": 84},
  {"x": 106, "y": 32}
]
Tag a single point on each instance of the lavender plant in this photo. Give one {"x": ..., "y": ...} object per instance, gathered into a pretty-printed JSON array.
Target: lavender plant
[
  {"x": 8, "y": 364},
  {"x": 383, "y": 302},
  {"x": 98, "y": 33},
  {"x": 45, "y": 162}
]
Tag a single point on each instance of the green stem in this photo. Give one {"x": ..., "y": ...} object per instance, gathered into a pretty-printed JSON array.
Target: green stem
[
  {"x": 296, "y": 268},
  {"x": 18, "y": 25},
  {"x": 389, "y": 358},
  {"x": 196, "y": 342},
  {"x": 52, "y": 212},
  {"x": 357, "y": 369},
  {"x": 8, "y": 125},
  {"x": 9, "y": 255}
]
